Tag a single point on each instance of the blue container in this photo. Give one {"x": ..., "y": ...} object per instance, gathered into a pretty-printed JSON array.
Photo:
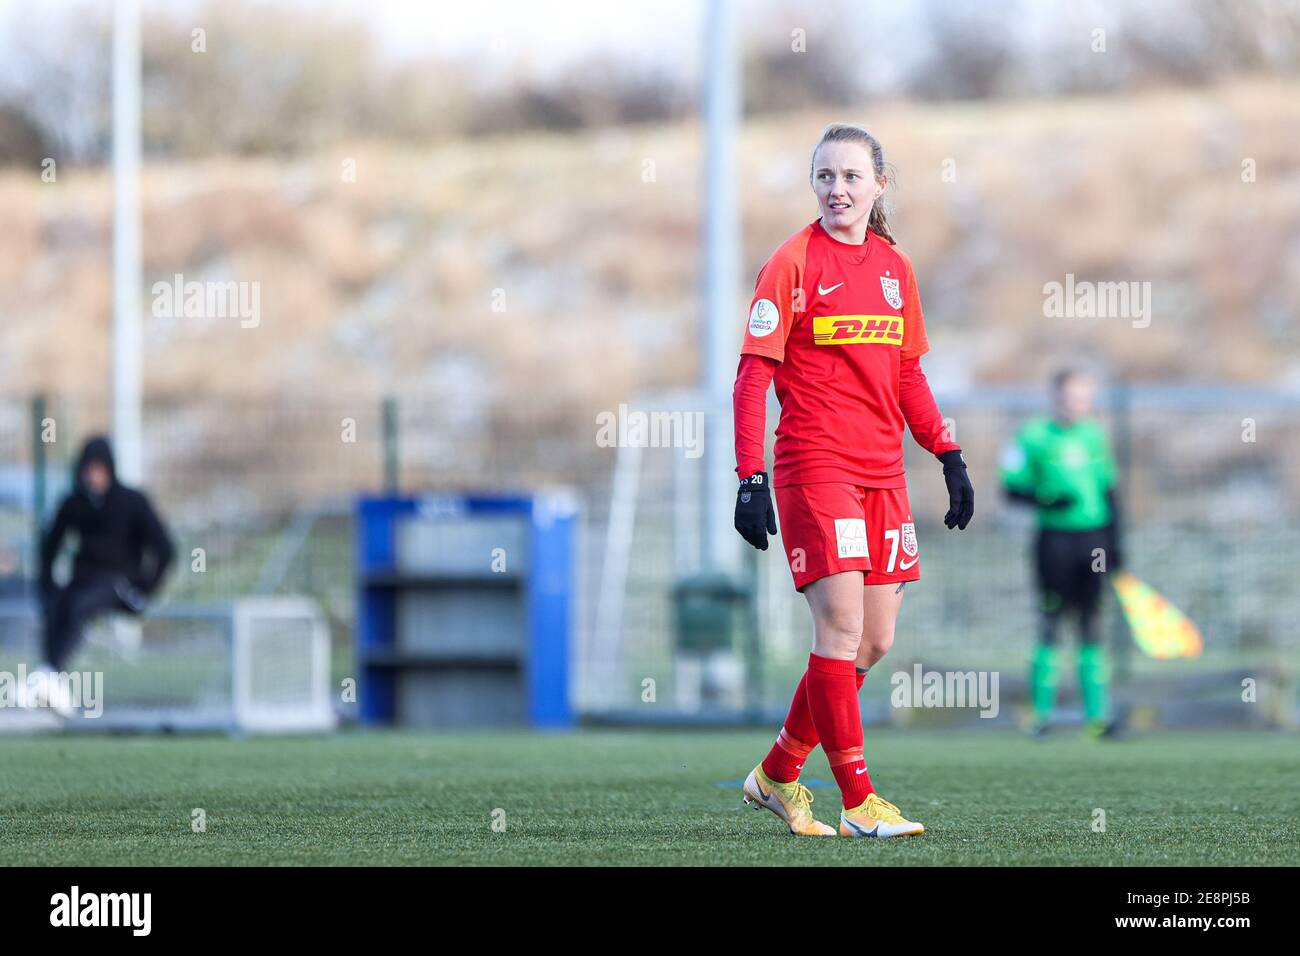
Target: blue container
[{"x": 464, "y": 610}]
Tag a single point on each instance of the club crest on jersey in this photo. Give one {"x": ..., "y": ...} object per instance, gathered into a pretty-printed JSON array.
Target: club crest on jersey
[
  {"x": 892, "y": 295},
  {"x": 909, "y": 538}
]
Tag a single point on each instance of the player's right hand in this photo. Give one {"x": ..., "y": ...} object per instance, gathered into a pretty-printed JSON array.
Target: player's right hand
[{"x": 755, "y": 516}]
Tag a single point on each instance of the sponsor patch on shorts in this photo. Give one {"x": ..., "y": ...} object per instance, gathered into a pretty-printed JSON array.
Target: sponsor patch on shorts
[{"x": 851, "y": 537}]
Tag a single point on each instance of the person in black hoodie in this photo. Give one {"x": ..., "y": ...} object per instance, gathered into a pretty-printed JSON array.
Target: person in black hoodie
[{"x": 123, "y": 554}]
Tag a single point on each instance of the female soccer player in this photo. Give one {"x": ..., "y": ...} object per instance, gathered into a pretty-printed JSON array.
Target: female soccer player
[{"x": 836, "y": 322}]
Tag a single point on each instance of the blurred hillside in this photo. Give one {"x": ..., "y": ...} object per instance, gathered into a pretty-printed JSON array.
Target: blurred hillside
[
  {"x": 481, "y": 272},
  {"x": 277, "y": 77}
]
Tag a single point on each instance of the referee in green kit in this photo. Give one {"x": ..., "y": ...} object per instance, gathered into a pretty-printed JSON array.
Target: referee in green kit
[{"x": 1062, "y": 465}]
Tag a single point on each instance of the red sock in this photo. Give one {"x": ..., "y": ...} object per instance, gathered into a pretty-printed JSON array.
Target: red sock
[
  {"x": 798, "y": 737},
  {"x": 833, "y": 701}
]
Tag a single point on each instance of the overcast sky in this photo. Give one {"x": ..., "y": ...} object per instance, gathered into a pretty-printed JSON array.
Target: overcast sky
[
  {"x": 545, "y": 35},
  {"x": 538, "y": 37}
]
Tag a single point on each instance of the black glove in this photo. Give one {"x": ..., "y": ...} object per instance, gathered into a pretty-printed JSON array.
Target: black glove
[
  {"x": 961, "y": 494},
  {"x": 755, "y": 516}
]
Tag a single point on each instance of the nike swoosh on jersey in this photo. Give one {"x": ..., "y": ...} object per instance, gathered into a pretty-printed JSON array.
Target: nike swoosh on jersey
[
  {"x": 903, "y": 565},
  {"x": 821, "y": 291}
]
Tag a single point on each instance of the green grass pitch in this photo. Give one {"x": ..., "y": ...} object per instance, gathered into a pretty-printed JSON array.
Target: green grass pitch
[{"x": 608, "y": 798}]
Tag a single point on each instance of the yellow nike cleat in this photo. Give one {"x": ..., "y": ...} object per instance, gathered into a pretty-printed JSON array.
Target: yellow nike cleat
[
  {"x": 792, "y": 802},
  {"x": 876, "y": 818}
]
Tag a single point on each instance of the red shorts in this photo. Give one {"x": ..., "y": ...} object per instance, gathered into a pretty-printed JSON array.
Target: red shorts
[{"x": 829, "y": 527}]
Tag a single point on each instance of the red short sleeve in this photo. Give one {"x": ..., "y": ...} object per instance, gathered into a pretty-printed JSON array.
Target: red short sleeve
[
  {"x": 915, "y": 342},
  {"x": 778, "y": 300}
]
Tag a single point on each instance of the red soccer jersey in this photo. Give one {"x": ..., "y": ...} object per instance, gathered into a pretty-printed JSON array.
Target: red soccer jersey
[{"x": 840, "y": 319}]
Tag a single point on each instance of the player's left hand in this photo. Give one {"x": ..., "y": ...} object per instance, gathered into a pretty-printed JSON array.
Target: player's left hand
[{"x": 961, "y": 493}]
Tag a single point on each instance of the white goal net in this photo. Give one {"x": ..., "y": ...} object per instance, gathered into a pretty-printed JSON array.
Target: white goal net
[{"x": 257, "y": 665}]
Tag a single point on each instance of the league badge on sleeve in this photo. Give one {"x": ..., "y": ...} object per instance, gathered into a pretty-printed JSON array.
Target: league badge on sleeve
[{"x": 763, "y": 318}]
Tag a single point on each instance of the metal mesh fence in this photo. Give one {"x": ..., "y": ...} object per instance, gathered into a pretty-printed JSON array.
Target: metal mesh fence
[{"x": 259, "y": 495}]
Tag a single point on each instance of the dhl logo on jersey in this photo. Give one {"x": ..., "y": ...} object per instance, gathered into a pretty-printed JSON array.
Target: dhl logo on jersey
[{"x": 851, "y": 329}]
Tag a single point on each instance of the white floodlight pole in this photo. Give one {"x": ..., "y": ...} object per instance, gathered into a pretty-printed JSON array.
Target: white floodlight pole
[
  {"x": 720, "y": 321},
  {"x": 126, "y": 385}
]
